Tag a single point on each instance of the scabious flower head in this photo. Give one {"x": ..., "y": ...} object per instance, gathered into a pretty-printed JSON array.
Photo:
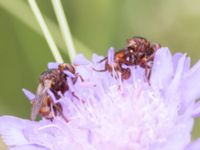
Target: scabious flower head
[{"x": 133, "y": 114}]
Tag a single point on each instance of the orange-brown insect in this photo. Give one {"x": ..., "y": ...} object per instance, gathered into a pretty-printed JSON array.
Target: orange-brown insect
[
  {"x": 138, "y": 51},
  {"x": 119, "y": 60},
  {"x": 54, "y": 80},
  {"x": 142, "y": 52}
]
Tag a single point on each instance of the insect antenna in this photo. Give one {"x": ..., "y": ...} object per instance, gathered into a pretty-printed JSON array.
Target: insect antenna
[{"x": 102, "y": 60}]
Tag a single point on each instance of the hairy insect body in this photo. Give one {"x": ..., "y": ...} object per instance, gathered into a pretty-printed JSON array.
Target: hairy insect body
[
  {"x": 52, "y": 81},
  {"x": 138, "y": 52}
]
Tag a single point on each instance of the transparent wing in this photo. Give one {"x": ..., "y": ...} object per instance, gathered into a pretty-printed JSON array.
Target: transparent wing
[
  {"x": 37, "y": 103},
  {"x": 41, "y": 95}
]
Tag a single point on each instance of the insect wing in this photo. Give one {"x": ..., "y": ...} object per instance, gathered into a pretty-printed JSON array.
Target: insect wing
[
  {"x": 38, "y": 101},
  {"x": 37, "y": 104}
]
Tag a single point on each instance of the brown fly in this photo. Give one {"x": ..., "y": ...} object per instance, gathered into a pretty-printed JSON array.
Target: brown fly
[
  {"x": 138, "y": 52},
  {"x": 55, "y": 81}
]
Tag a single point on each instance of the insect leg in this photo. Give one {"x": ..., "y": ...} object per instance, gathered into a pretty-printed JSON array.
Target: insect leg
[
  {"x": 59, "y": 109},
  {"x": 102, "y": 60},
  {"x": 103, "y": 70},
  {"x": 150, "y": 58},
  {"x": 76, "y": 77},
  {"x": 73, "y": 94}
]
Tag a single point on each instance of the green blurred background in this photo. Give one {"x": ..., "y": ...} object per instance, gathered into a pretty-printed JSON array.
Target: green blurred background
[{"x": 96, "y": 26}]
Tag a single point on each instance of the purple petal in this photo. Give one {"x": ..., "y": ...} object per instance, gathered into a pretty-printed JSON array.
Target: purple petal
[
  {"x": 196, "y": 110},
  {"x": 96, "y": 58},
  {"x": 19, "y": 133},
  {"x": 68, "y": 73},
  {"x": 194, "y": 68},
  {"x": 187, "y": 64},
  {"x": 176, "y": 59},
  {"x": 194, "y": 145},
  {"x": 28, "y": 94},
  {"x": 11, "y": 129},
  {"x": 111, "y": 55},
  {"x": 70, "y": 84},
  {"x": 138, "y": 73},
  {"x": 29, "y": 147},
  {"x": 53, "y": 65},
  {"x": 191, "y": 87},
  {"x": 162, "y": 70},
  {"x": 174, "y": 85},
  {"x": 80, "y": 60}
]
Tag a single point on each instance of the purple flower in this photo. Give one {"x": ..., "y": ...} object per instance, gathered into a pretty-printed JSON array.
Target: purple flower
[{"x": 133, "y": 114}]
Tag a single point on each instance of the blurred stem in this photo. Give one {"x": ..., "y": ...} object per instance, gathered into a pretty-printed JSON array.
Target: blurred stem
[
  {"x": 65, "y": 30},
  {"x": 45, "y": 31},
  {"x": 23, "y": 13}
]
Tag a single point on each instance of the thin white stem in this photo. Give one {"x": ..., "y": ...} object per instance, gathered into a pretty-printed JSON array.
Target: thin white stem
[
  {"x": 62, "y": 21},
  {"x": 45, "y": 31}
]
